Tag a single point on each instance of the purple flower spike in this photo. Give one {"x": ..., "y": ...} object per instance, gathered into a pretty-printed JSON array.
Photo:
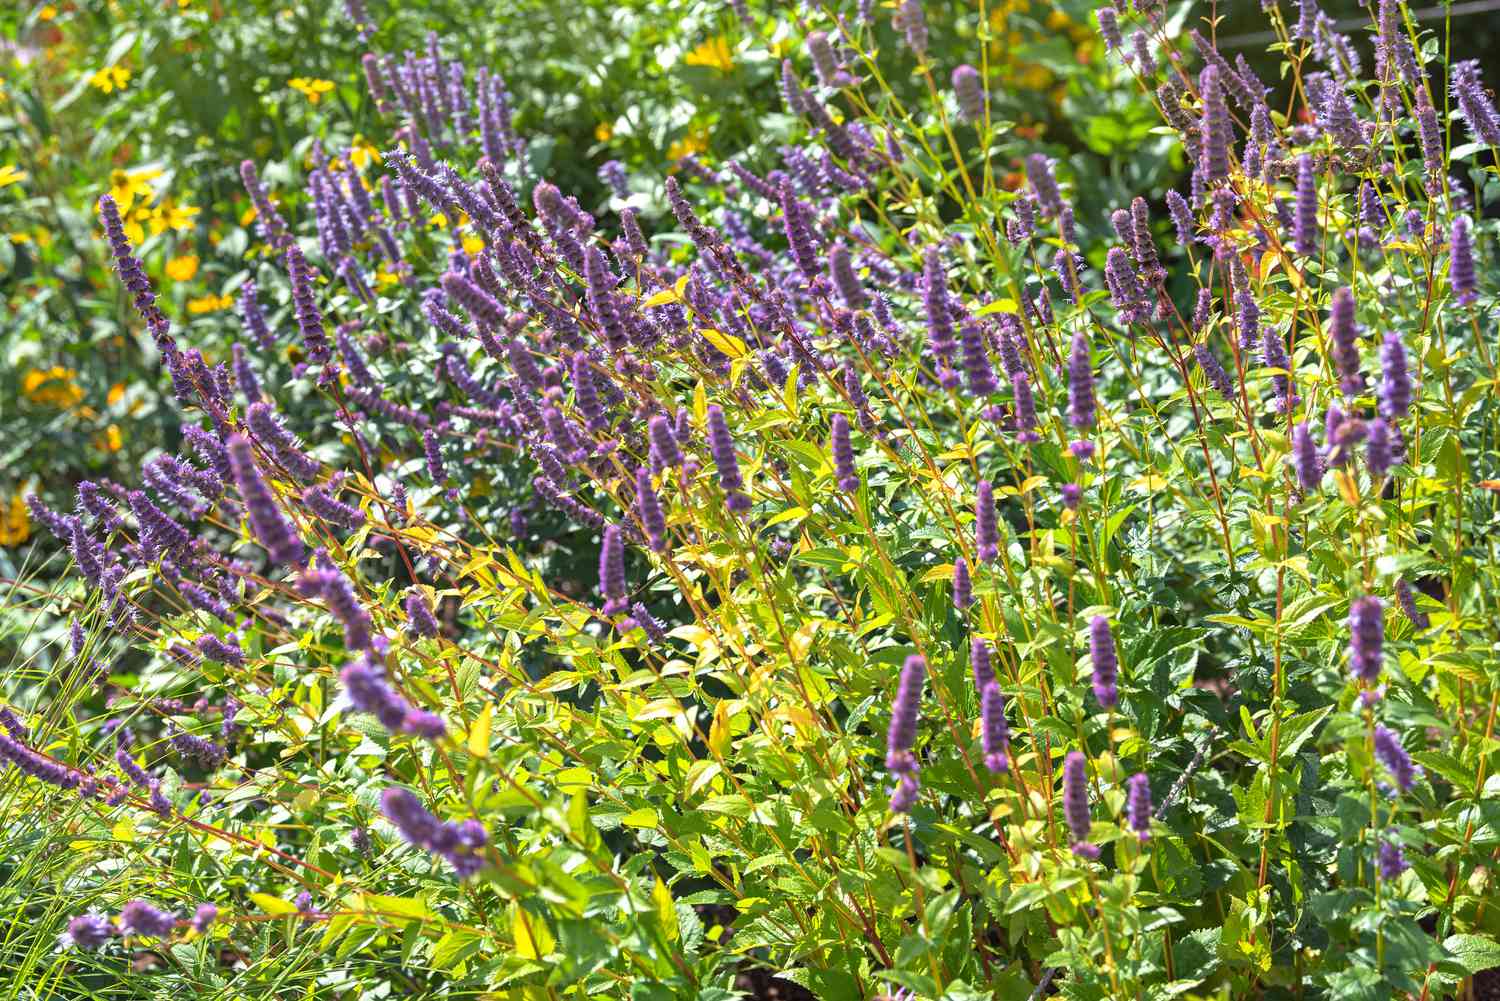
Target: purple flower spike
[
  {"x": 648, "y": 506},
  {"x": 204, "y": 917},
  {"x": 1461, "y": 265},
  {"x": 843, "y": 455},
  {"x": 1217, "y": 129},
  {"x": 460, "y": 844},
  {"x": 968, "y": 88},
  {"x": 266, "y": 520},
  {"x": 905, "y": 712},
  {"x": 1343, "y": 332},
  {"x": 1474, "y": 103},
  {"x": 1408, "y": 602},
  {"x": 1391, "y": 754},
  {"x": 1105, "y": 661},
  {"x": 1305, "y": 222},
  {"x": 88, "y": 932},
  {"x": 986, "y": 532},
  {"x": 1366, "y": 637},
  {"x": 979, "y": 662},
  {"x": 721, "y": 445},
  {"x": 841, "y": 270},
  {"x": 665, "y": 451},
  {"x": 1378, "y": 448},
  {"x": 994, "y": 732},
  {"x": 1020, "y": 386},
  {"x": 419, "y": 618},
  {"x": 612, "y": 571},
  {"x": 1390, "y": 859},
  {"x": 1395, "y": 386},
  {"x": 140, "y": 918},
  {"x": 1075, "y": 796},
  {"x": 1138, "y": 805},
  {"x": 963, "y": 585},
  {"x": 977, "y": 367},
  {"x": 1109, "y": 27},
  {"x": 904, "y": 793},
  {"x": 1081, "y": 387},
  {"x": 1305, "y": 459}
]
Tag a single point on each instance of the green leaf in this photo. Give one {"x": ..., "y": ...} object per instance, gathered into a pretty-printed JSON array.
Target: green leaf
[{"x": 1473, "y": 952}]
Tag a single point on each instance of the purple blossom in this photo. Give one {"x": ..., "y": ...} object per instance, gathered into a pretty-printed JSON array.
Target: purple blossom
[
  {"x": 963, "y": 586},
  {"x": 140, "y": 918},
  {"x": 1366, "y": 637},
  {"x": 841, "y": 270},
  {"x": 88, "y": 932},
  {"x": 1305, "y": 223},
  {"x": 1217, "y": 129},
  {"x": 1395, "y": 385},
  {"x": 981, "y": 374},
  {"x": 461, "y": 844},
  {"x": 612, "y": 571},
  {"x": 648, "y": 507},
  {"x": 1474, "y": 103},
  {"x": 1305, "y": 459},
  {"x": 1379, "y": 450},
  {"x": 1390, "y": 859},
  {"x": 994, "y": 732},
  {"x": 905, "y": 712},
  {"x": 1025, "y": 407},
  {"x": 1343, "y": 334},
  {"x": 721, "y": 445},
  {"x": 968, "y": 89},
  {"x": 1081, "y": 405},
  {"x": 204, "y": 917},
  {"x": 419, "y": 618},
  {"x": 979, "y": 663},
  {"x": 843, "y": 454},
  {"x": 1138, "y": 805},
  {"x": 1109, "y": 27},
  {"x": 1395, "y": 758},
  {"x": 1075, "y": 797},
  {"x": 1408, "y": 602},
  {"x": 368, "y": 691},
  {"x": 1105, "y": 661},
  {"x": 1461, "y": 264},
  {"x": 986, "y": 531}
]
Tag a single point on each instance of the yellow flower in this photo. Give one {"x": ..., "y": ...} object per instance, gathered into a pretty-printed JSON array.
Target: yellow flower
[
  {"x": 473, "y": 244},
  {"x": 53, "y": 387},
  {"x": 438, "y": 221},
  {"x": 110, "y": 439},
  {"x": 309, "y": 88},
  {"x": 604, "y": 132},
  {"x": 181, "y": 269},
  {"x": 116, "y": 393},
  {"x": 209, "y": 304},
  {"x": 128, "y": 185},
  {"x": 15, "y": 521},
  {"x": 47, "y": 13},
  {"x": 693, "y": 142},
  {"x": 170, "y": 215},
  {"x": 362, "y": 152},
  {"x": 134, "y": 231},
  {"x": 385, "y": 279},
  {"x": 10, "y": 175},
  {"x": 110, "y": 78},
  {"x": 713, "y": 53}
]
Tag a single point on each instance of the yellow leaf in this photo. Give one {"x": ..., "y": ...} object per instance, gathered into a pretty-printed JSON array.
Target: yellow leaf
[
  {"x": 123, "y": 830},
  {"x": 532, "y": 937},
  {"x": 10, "y": 175},
  {"x": 661, "y": 298},
  {"x": 479, "y": 733},
  {"x": 718, "y": 732},
  {"x": 666, "y": 909},
  {"x": 727, "y": 344},
  {"x": 273, "y": 905},
  {"x": 645, "y": 817}
]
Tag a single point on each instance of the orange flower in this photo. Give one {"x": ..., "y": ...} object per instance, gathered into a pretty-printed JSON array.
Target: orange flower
[{"x": 181, "y": 269}]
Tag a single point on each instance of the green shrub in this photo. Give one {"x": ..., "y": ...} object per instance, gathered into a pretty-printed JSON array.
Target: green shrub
[{"x": 1156, "y": 661}]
